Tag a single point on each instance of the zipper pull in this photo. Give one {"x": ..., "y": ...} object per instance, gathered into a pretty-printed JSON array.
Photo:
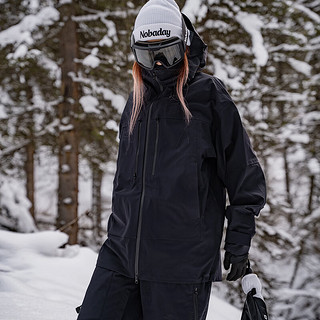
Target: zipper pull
[
  {"x": 136, "y": 279},
  {"x": 157, "y": 79},
  {"x": 196, "y": 291}
]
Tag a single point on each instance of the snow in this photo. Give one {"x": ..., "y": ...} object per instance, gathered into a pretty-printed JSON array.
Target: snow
[
  {"x": 252, "y": 24},
  {"x": 19, "y": 53},
  {"x": 3, "y": 114},
  {"x": 291, "y": 96},
  {"x": 89, "y": 104},
  {"x": 254, "y": 108},
  {"x": 67, "y": 200},
  {"x": 222, "y": 26},
  {"x": 314, "y": 16},
  {"x": 314, "y": 166},
  {"x": 130, "y": 4},
  {"x": 21, "y": 32},
  {"x": 91, "y": 61},
  {"x": 117, "y": 100},
  {"x": 4, "y": 101},
  {"x": 34, "y": 4},
  {"x": 300, "y": 66},
  {"x": 221, "y": 71},
  {"x": 297, "y": 292},
  {"x": 15, "y": 201},
  {"x": 65, "y": 168},
  {"x": 67, "y": 147},
  {"x": 299, "y": 137},
  {"x": 310, "y": 117},
  {"x": 47, "y": 63},
  {"x": 194, "y": 9},
  {"x": 38, "y": 280},
  {"x": 105, "y": 41},
  {"x": 111, "y": 35},
  {"x": 41, "y": 281},
  {"x": 202, "y": 12},
  {"x": 313, "y": 217},
  {"x": 46, "y": 184},
  {"x": 112, "y": 125}
]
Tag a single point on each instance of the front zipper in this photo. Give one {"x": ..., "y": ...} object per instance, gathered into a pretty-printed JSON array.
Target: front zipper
[
  {"x": 195, "y": 303},
  {"x": 158, "y": 81},
  {"x": 137, "y": 152},
  {"x": 136, "y": 261},
  {"x": 155, "y": 148}
]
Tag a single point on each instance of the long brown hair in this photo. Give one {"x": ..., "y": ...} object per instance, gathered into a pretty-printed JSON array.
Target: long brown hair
[{"x": 138, "y": 91}]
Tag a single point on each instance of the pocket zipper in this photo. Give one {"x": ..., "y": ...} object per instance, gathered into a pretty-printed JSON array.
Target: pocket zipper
[
  {"x": 137, "y": 153},
  {"x": 155, "y": 148},
  {"x": 195, "y": 303}
]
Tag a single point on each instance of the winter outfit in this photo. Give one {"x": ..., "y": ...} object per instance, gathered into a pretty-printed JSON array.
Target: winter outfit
[{"x": 169, "y": 196}]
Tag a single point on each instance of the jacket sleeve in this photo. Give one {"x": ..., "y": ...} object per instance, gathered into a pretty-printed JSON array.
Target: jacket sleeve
[{"x": 240, "y": 172}]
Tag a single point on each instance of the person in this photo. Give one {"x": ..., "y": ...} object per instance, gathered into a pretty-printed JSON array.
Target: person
[{"x": 182, "y": 148}]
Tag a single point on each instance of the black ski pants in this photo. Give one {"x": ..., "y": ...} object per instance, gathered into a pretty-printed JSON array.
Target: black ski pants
[{"x": 112, "y": 296}]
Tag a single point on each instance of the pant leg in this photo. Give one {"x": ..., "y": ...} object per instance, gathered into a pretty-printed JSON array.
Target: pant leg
[
  {"x": 170, "y": 301},
  {"x": 110, "y": 296},
  {"x": 133, "y": 309}
]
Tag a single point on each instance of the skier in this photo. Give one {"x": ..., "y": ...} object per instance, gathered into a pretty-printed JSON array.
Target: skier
[{"x": 182, "y": 146}]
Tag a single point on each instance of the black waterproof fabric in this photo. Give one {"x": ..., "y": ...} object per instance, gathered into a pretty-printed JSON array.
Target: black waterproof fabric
[
  {"x": 169, "y": 190},
  {"x": 112, "y": 296}
]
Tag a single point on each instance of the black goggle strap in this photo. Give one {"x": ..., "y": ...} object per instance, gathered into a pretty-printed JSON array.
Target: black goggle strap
[{"x": 185, "y": 33}]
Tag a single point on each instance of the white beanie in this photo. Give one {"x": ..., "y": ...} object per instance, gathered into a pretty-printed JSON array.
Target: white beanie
[{"x": 158, "y": 19}]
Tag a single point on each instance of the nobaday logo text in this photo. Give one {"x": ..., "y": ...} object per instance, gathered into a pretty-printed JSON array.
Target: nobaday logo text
[{"x": 160, "y": 32}]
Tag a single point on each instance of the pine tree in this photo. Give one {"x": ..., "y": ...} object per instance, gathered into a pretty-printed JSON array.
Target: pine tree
[{"x": 22, "y": 126}]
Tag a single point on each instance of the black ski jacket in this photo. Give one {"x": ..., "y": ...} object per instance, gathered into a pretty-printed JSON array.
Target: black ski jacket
[{"x": 169, "y": 189}]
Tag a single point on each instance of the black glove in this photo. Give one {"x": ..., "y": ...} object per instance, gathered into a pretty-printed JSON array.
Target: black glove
[{"x": 239, "y": 265}]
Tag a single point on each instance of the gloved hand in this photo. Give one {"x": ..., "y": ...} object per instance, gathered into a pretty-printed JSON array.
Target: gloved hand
[
  {"x": 251, "y": 281},
  {"x": 238, "y": 265}
]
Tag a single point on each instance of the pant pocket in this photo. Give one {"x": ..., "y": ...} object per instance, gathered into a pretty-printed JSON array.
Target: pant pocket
[
  {"x": 201, "y": 297},
  {"x": 195, "y": 303}
]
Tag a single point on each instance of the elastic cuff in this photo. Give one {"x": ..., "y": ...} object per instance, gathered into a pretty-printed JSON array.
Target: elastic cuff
[
  {"x": 238, "y": 238},
  {"x": 236, "y": 249}
]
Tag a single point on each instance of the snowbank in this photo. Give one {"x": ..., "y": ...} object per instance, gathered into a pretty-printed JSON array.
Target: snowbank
[{"x": 41, "y": 281}]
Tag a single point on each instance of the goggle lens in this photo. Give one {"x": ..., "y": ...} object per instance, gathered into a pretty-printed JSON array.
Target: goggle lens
[{"x": 168, "y": 56}]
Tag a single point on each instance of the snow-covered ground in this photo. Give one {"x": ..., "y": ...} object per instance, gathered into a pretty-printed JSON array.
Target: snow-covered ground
[{"x": 40, "y": 281}]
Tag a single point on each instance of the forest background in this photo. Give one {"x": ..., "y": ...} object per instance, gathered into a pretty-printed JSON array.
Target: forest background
[{"x": 65, "y": 74}]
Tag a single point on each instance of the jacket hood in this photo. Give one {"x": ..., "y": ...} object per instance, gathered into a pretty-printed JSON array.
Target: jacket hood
[
  {"x": 198, "y": 50},
  {"x": 196, "y": 58}
]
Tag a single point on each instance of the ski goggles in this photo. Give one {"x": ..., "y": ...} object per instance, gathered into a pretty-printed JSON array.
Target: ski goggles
[{"x": 169, "y": 52}]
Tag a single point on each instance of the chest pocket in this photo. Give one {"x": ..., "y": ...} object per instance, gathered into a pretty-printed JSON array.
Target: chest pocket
[
  {"x": 127, "y": 157},
  {"x": 176, "y": 143},
  {"x": 174, "y": 212}
]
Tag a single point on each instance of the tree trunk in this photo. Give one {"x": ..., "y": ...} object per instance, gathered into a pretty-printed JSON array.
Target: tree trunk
[
  {"x": 68, "y": 133},
  {"x": 29, "y": 169},
  {"x": 310, "y": 202},
  {"x": 30, "y": 150},
  {"x": 287, "y": 176},
  {"x": 96, "y": 200}
]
